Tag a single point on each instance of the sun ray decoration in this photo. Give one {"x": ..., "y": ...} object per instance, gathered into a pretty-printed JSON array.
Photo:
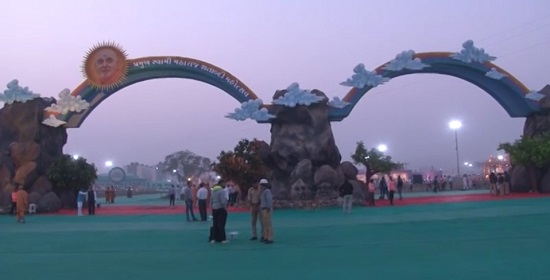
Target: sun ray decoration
[{"x": 105, "y": 65}]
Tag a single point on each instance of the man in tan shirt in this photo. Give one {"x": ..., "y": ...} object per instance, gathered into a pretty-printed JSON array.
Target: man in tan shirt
[{"x": 253, "y": 200}]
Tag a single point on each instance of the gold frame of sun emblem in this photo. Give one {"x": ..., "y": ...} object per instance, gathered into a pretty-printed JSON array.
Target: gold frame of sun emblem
[{"x": 105, "y": 65}]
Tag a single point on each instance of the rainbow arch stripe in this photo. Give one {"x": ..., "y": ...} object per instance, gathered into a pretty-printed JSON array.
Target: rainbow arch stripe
[
  {"x": 509, "y": 92},
  {"x": 158, "y": 67}
]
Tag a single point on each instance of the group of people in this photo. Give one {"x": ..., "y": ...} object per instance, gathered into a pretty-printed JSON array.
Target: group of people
[
  {"x": 499, "y": 184},
  {"x": 89, "y": 196},
  {"x": 260, "y": 200},
  {"x": 110, "y": 194},
  {"x": 388, "y": 187}
]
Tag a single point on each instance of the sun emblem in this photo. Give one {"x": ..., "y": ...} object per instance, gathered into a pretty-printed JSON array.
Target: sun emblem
[{"x": 105, "y": 65}]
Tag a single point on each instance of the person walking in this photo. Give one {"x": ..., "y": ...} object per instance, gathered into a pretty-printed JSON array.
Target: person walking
[
  {"x": 22, "y": 203},
  {"x": 13, "y": 201},
  {"x": 188, "y": 197},
  {"x": 391, "y": 190},
  {"x": 172, "y": 196},
  {"x": 253, "y": 199},
  {"x": 372, "y": 189},
  {"x": 346, "y": 192},
  {"x": 400, "y": 187},
  {"x": 383, "y": 187},
  {"x": 91, "y": 197},
  {"x": 218, "y": 201},
  {"x": 266, "y": 205},
  {"x": 202, "y": 196}
]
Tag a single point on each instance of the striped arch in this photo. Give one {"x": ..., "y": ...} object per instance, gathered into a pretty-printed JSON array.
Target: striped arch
[
  {"x": 148, "y": 68},
  {"x": 509, "y": 92}
]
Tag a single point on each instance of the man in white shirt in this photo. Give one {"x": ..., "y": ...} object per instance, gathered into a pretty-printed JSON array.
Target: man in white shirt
[
  {"x": 227, "y": 191},
  {"x": 202, "y": 196}
]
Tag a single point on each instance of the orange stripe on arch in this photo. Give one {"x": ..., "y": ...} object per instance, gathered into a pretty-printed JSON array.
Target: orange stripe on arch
[
  {"x": 510, "y": 76},
  {"x": 79, "y": 88}
]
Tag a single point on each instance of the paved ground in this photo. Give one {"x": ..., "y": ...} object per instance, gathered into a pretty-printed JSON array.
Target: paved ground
[{"x": 501, "y": 239}]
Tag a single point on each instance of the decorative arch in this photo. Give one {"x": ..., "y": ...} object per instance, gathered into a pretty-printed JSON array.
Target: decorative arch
[
  {"x": 148, "y": 68},
  {"x": 508, "y": 91}
]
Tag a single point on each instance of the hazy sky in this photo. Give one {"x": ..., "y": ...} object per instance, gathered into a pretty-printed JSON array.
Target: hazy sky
[{"x": 269, "y": 45}]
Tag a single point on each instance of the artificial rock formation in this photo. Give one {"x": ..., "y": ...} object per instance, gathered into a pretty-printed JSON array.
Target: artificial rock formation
[
  {"x": 28, "y": 148},
  {"x": 534, "y": 125},
  {"x": 304, "y": 161}
]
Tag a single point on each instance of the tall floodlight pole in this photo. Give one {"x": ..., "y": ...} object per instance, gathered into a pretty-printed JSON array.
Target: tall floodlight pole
[{"x": 456, "y": 125}]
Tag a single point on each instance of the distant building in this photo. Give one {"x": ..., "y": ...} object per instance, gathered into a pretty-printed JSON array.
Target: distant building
[{"x": 147, "y": 172}]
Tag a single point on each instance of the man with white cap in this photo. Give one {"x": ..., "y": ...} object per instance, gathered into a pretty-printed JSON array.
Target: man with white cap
[{"x": 266, "y": 206}]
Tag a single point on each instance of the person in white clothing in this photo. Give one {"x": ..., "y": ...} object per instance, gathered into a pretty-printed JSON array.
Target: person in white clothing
[
  {"x": 80, "y": 200},
  {"x": 202, "y": 196},
  {"x": 227, "y": 191}
]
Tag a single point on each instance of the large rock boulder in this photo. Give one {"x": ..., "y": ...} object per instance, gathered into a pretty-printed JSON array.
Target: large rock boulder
[
  {"x": 360, "y": 191},
  {"x": 544, "y": 186},
  {"x": 535, "y": 125},
  {"x": 48, "y": 203},
  {"x": 41, "y": 185},
  {"x": 27, "y": 147},
  {"x": 303, "y": 158}
]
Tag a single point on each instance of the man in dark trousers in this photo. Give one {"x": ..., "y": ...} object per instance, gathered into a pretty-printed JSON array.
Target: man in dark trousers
[
  {"x": 202, "y": 196},
  {"x": 218, "y": 202},
  {"x": 346, "y": 192},
  {"x": 91, "y": 201}
]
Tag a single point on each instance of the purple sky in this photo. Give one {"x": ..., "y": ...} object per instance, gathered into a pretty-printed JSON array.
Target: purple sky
[{"x": 269, "y": 45}]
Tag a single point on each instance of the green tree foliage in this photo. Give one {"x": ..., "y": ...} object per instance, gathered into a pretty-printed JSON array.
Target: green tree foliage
[
  {"x": 243, "y": 165},
  {"x": 186, "y": 163},
  {"x": 68, "y": 174},
  {"x": 374, "y": 160},
  {"x": 531, "y": 152}
]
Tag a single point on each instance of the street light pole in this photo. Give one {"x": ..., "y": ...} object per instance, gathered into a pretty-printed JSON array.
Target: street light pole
[
  {"x": 455, "y": 125},
  {"x": 457, "y": 159}
]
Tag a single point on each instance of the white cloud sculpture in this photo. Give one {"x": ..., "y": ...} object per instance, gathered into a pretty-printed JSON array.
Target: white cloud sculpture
[
  {"x": 535, "y": 95},
  {"x": 16, "y": 93},
  {"x": 53, "y": 121},
  {"x": 471, "y": 53},
  {"x": 297, "y": 96},
  {"x": 405, "y": 60},
  {"x": 494, "y": 74},
  {"x": 250, "y": 110},
  {"x": 337, "y": 103},
  {"x": 68, "y": 103},
  {"x": 363, "y": 77}
]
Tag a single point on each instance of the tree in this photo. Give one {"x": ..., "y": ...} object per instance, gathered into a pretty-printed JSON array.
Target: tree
[
  {"x": 243, "y": 165},
  {"x": 531, "y": 152},
  {"x": 374, "y": 160},
  {"x": 70, "y": 175},
  {"x": 186, "y": 163}
]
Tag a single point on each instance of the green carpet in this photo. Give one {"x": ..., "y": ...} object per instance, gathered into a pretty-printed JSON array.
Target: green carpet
[{"x": 472, "y": 240}]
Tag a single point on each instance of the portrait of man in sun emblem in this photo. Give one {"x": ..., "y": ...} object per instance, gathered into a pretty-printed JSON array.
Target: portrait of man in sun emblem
[{"x": 105, "y": 66}]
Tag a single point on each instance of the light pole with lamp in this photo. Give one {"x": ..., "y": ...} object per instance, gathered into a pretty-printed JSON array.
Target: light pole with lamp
[{"x": 456, "y": 125}]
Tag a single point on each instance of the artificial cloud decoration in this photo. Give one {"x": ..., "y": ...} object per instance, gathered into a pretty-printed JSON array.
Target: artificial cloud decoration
[
  {"x": 16, "y": 93},
  {"x": 405, "y": 60},
  {"x": 296, "y": 96},
  {"x": 535, "y": 95},
  {"x": 53, "y": 121},
  {"x": 494, "y": 74},
  {"x": 337, "y": 103},
  {"x": 68, "y": 103},
  {"x": 250, "y": 110},
  {"x": 363, "y": 77},
  {"x": 471, "y": 53}
]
